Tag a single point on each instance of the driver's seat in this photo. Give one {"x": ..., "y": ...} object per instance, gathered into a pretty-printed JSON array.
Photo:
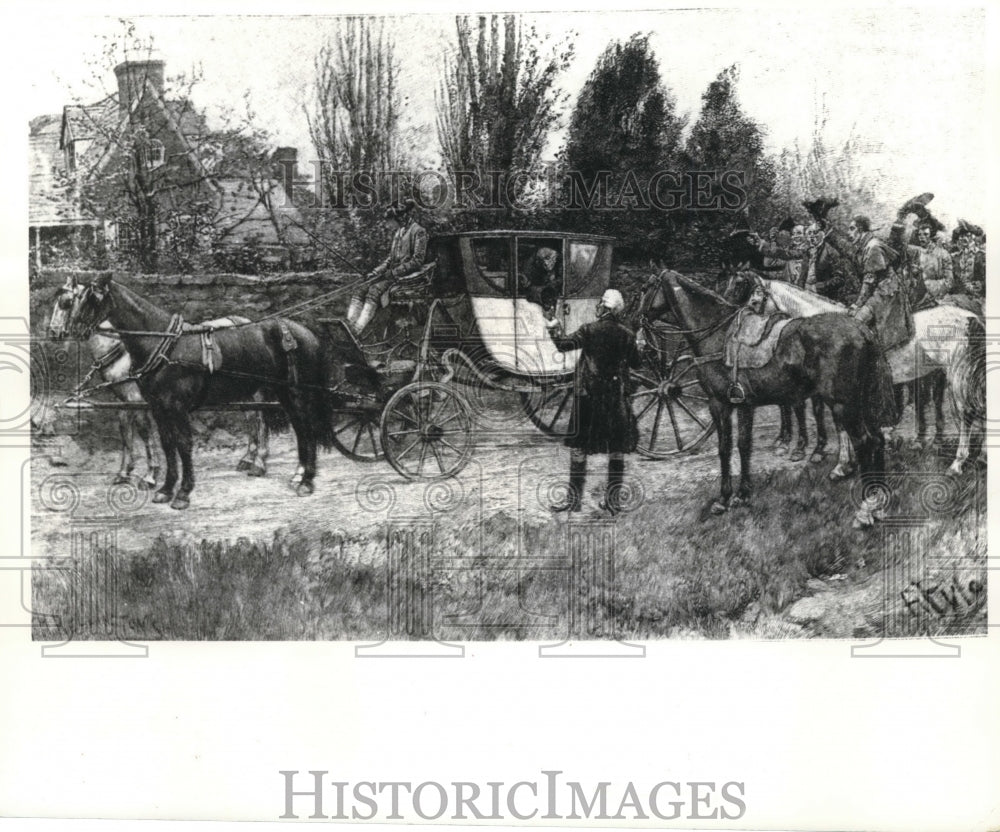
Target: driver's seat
[{"x": 411, "y": 289}]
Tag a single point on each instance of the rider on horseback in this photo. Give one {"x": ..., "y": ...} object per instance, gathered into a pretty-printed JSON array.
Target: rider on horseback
[
  {"x": 969, "y": 269},
  {"x": 882, "y": 304}
]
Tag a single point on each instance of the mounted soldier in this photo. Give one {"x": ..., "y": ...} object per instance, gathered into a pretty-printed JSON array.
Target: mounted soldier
[
  {"x": 969, "y": 268},
  {"x": 823, "y": 269},
  {"x": 602, "y": 412},
  {"x": 882, "y": 302},
  {"x": 924, "y": 264},
  {"x": 784, "y": 250},
  {"x": 406, "y": 258}
]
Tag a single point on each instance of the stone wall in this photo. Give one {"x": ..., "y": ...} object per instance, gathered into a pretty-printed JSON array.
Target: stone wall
[
  {"x": 199, "y": 298},
  {"x": 202, "y": 297}
]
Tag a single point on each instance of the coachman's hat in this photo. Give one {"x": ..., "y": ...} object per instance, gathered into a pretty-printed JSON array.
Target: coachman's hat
[{"x": 399, "y": 209}]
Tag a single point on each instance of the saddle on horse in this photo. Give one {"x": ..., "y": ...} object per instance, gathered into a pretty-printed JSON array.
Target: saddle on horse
[{"x": 750, "y": 344}]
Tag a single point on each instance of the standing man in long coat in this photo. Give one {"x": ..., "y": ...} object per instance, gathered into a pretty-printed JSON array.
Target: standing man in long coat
[{"x": 602, "y": 410}]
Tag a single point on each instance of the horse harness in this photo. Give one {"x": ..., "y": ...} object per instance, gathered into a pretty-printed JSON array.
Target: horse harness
[{"x": 161, "y": 355}]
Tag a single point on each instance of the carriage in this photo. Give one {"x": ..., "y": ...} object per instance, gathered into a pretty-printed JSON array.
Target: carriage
[
  {"x": 467, "y": 327},
  {"x": 467, "y": 323}
]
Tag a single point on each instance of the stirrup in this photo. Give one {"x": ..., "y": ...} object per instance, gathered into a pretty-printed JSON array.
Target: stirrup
[{"x": 736, "y": 394}]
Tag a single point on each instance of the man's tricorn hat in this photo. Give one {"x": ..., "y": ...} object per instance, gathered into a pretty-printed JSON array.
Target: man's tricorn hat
[
  {"x": 928, "y": 220},
  {"x": 399, "y": 209},
  {"x": 965, "y": 227},
  {"x": 821, "y": 206},
  {"x": 917, "y": 205},
  {"x": 787, "y": 224}
]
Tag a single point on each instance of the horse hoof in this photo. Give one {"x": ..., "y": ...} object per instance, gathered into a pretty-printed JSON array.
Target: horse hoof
[
  {"x": 780, "y": 450},
  {"x": 304, "y": 489},
  {"x": 739, "y": 502},
  {"x": 797, "y": 455},
  {"x": 146, "y": 484},
  {"x": 180, "y": 503},
  {"x": 243, "y": 465},
  {"x": 120, "y": 479},
  {"x": 161, "y": 497},
  {"x": 915, "y": 445},
  {"x": 817, "y": 457},
  {"x": 718, "y": 507},
  {"x": 295, "y": 480},
  {"x": 955, "y": 469},
  {"x": 257, "y": 471}
]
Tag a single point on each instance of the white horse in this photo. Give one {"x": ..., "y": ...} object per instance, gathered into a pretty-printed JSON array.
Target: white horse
[
  {"x": 113, "y": 367},
  {"x": 946, "y": 338}
]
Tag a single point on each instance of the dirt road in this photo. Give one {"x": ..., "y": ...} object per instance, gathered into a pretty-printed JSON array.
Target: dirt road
[{"x": 515, "y": 469}]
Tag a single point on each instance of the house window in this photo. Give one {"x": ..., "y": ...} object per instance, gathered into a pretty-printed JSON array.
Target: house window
[
  {"x": 71, "y": 156},
  {"x": 124, "y": 236},
  {"x": 155, "y": 154}
]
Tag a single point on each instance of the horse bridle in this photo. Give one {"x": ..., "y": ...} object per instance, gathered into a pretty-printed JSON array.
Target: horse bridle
[{"x": 702, "y": 332}]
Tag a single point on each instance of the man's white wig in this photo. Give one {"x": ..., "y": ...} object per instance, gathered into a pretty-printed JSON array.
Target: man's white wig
[{"x": 613, "y": 301}]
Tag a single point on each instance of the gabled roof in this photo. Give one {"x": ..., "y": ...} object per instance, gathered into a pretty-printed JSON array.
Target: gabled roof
[
  {"x": 105, "y": 118},
  {"x": 89, "y": 121},
  {"x": 50, "y": 199},
  {"x": 98, "y": 125}
]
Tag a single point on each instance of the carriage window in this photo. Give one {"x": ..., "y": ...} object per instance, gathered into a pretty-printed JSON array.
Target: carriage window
[
  {"x": 491, "y": 259},
  {"x": 589, "y": 269},
  {"x": 539, "y": 265}
]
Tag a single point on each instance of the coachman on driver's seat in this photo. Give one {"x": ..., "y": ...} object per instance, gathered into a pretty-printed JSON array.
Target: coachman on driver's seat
[{"x": 406, "y": 258}]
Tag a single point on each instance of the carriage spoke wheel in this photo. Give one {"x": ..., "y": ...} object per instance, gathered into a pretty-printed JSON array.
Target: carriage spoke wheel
[
  {"x": 670, "y": 406},
  {"x": 550, "y": 409},
  {"x": 427, "y": 431},
  {"x": 356, "y": 435}
]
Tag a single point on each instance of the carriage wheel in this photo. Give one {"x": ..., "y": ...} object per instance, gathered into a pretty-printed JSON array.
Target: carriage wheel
[
  {"x": 427, "y": 431},
  {"x": 671, "y": 407},
  {"x": 550, "y": 409},
  {"x": 356, "y": 435}
]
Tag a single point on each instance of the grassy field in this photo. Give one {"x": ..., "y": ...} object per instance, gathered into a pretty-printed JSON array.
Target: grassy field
[{"x": 678, "y": 572}]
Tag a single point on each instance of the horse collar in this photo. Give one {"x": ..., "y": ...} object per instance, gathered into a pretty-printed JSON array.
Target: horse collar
[{"x": 159, "y": 355}]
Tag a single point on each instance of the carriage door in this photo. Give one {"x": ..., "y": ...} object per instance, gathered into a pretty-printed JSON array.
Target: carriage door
[
  {"x": 490, "y": 284},
  {"x": 540, "y": 278},
  {"x": 588, "y": 272}
]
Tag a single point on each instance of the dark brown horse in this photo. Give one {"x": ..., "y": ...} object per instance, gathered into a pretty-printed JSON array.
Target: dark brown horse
[
  {"x": 739, "y": 283},
  {"x": 279, "y": 358},
  {"x": 829, "y": 355}
]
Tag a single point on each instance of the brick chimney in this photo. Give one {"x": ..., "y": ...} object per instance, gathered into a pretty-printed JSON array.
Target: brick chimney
[{"x": 132, "y": 77}]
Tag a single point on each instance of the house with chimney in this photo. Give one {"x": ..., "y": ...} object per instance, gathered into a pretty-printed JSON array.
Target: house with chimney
[{"x": 139, "y": 177}]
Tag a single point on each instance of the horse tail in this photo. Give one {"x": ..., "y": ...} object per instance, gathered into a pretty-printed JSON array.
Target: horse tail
[
  {"x": 968, "y": 381},
  {"x": 880, "y": 408},
  {"x": 275, "y": 418}
]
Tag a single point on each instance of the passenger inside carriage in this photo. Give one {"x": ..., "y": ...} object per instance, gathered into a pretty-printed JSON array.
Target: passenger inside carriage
[{"x": 539, "y": 282}]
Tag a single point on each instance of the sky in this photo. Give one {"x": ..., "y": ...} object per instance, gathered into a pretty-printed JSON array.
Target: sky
[{"x": 910, "y": 84}]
